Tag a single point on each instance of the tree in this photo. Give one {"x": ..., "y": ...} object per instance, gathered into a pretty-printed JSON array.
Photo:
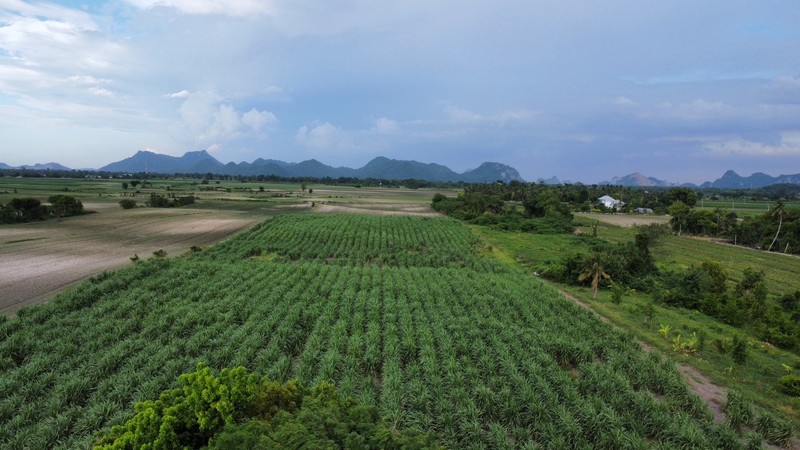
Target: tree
[
  {"x": 779, "y": 211},
  {"x": 127, "y": 203},
  {"x": 593, "y": 270},
  {"x": 125, "y": 185},
  {"x": 64, "y": 205}
]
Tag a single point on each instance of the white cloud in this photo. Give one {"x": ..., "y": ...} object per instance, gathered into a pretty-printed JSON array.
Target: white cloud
[
  {"x": 325, "y": 137},
  {"x": 258, "y": 120},
  {"x": 207, "y": 120},
  {"x": 624, "y": 101},
  {"x": 789, "y": 145},
  {"x": 384, "y": 125},
  {"x": 226, "y": 7},
  {"x": 101, "y": 92},
  {"x": 180, "y": 94},
  {"x": 461, "y": 115}
]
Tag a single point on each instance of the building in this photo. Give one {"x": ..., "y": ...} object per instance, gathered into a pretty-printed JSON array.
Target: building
[{"x": 610, "y": 202}]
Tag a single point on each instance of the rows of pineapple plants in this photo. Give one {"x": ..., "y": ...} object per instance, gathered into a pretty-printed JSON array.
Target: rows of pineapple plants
[
  {"x": 341, "y": 239},
  {"x": 483, "y": 358}
]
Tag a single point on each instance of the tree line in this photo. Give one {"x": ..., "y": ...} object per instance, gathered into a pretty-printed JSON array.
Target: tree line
[{"x": 20, "y": 210}]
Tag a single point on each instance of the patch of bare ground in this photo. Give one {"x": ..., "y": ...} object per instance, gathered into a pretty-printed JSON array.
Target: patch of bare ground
[
  {"x": 712, "y": 395},
  {"x": 625, "y": 220},
  {"x": 38, "y": 260},
  {"x": 378, "y": 209}
]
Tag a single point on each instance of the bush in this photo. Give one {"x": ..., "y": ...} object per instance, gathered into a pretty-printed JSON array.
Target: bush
[
  {"x": 790, "y": 385},
  {"x": 739, "y": 349},
  {"x": 236, "y": 409},
  {"x": 127, "y": 203}
]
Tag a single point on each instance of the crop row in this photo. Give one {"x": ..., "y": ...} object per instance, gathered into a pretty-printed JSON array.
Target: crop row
[
  {"x": 481, "y": 358},
  {"x": 355, "y": 240}
]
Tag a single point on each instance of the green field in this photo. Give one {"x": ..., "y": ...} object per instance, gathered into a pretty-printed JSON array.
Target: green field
[
  {"x": 744, "y": 207},
  {"x": 757, "y": 379},
  {"x": 435, "y": 333}
]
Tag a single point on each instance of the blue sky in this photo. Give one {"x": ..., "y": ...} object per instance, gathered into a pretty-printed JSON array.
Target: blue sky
[{"x": 585, "y": 91}]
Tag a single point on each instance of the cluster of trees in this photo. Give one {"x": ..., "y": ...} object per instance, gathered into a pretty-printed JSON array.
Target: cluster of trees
[
  {"x": 778, "y": 229},
  {"x": 235, "y": 409},
  {"x": 542, "y": 211},
  {"x": 630, "y": 264},
  {"x": 20, "y": 210},
  {"x": 707, "y": 287},
  {"x": 167, "y": 201}
]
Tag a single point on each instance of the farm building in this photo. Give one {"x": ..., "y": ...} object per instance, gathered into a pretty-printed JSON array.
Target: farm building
[
  {"x": 643, "y": 210},
  {"x": 610, "y": 202}
]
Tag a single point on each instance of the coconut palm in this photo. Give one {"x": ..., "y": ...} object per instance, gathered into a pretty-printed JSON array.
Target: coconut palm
[
  {"x": 594, "y": 271},
  {"x": 779, "y": 211}
]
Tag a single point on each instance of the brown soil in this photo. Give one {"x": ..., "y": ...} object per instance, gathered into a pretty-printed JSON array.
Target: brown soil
[
  {"x": 37, "y": 260},
  {"x": 379, "y": 209},
  {"x": 625, "y": 220}
]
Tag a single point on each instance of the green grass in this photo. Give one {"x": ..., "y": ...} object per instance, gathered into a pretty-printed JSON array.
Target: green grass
[
  {"x": 757, "y": 379},
  {"x": 744, "y": 207}
]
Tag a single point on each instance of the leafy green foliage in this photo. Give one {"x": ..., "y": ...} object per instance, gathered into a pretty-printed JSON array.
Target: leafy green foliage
[
  {"x": 235, "y": 409},
  {"x": 436, "y": 338},
  {"x": 127, "y": 203},
  {"x": 790, "y": 384}
]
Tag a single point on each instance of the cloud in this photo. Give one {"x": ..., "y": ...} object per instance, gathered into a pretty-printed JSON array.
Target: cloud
[
  {"x": 461, "y": 115},
  {"x": 789, "y": 145},
  {"x": 180, "y": 94},
  {"x": 208, "y": 120},
  {"x": 386, "y": 126},
  {"x": 258, "y": 120},
  {"x": 224, "y": 7},
  {"x": 325, "y": 138}
]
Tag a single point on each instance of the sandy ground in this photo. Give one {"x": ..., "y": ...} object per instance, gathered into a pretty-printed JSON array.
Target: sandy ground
[
  {"x": 37, "y": 260},
  {"x": 625, "y": 220},
  {"x": 380, "y": 209}
]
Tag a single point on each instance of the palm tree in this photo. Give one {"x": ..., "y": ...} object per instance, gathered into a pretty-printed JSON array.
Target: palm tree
[
  {"x": 779, "y": 211},
  {"x": 594, "y": 271}
]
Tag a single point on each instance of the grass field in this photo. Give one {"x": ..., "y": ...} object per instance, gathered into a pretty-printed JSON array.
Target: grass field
[
  {"x": 756, "y": 379},
  {"x": 744, "y": 207}
]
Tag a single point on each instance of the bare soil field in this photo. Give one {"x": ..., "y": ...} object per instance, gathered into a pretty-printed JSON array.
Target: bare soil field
[
  {"x": 37, "y": 260},
  {"x": 380, "y": 209},
  {"x": 625, "y": 220}
]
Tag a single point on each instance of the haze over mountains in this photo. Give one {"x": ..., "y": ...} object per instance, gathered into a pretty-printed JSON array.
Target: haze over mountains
[{"x": 383, "y": 168}]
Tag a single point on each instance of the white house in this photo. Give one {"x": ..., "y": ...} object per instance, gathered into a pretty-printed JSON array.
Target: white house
[{"x": 610, "y": 202}]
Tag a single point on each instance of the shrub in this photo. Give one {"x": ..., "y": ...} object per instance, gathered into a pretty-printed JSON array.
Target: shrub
[
  {"x": 790, "y": 384},
  {"x": 127, "y": 203}
]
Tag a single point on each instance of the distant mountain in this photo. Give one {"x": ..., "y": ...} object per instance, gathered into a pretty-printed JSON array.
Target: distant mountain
[
  {"x": 492, "y": 170},
  {"x": 5, "y": 166},
  {"x": 550, "y": 181},
  {"x": 145, "y": 161},
  {"x": 380, "y": 167},
  {"x": 757, "y": 180},
  {"x": 636, "y": 179},
  {"x": 46, "y": 166}
]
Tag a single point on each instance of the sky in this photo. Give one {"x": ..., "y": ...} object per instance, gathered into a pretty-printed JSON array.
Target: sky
[{"x": 585, "y": 91}]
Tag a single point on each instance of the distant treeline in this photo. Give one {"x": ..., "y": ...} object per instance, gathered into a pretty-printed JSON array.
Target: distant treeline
[
  {"x": 20, "y": 210},
  {"x": 633, "y": 196}
]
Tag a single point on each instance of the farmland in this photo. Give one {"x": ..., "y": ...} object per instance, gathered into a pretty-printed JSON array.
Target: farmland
[
  {"x": 39, "y": 259},
  {"x": 434, "y": 333}
]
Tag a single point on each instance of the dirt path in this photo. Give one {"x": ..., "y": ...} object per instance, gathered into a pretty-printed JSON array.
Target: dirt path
[
  {"x": 38, "y": 260},
  {"x": 712, "y": 395}
]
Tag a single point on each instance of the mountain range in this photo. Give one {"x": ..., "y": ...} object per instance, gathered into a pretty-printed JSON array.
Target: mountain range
[
  {"x": 380, "y": 167},
  {"x": 385, "y": 168}
]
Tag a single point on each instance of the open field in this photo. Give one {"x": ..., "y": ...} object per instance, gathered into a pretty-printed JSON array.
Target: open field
[
  {"x": 435, "y": 334},
  {"x": 756, "y": 379},
  {"x": 744, "y": 207},
  {"x": 624, "y": 220},
  {"x": 39, "y": 259}
]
